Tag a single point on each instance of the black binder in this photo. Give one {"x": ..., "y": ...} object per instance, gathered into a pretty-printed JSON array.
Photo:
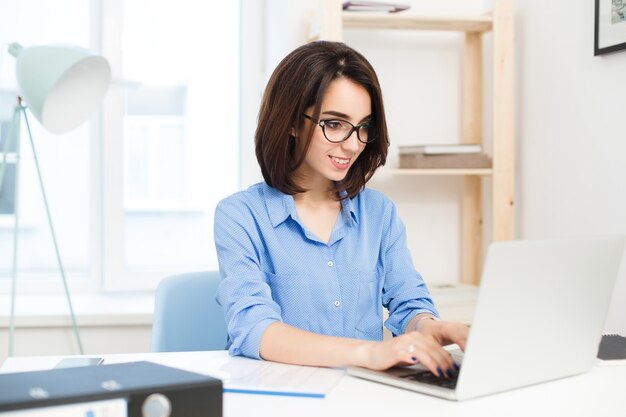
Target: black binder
[{"x": 141, "y": 384}]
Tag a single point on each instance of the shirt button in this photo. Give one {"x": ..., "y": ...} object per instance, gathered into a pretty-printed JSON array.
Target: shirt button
[
  {"x": 337, "y": 303},
  {"x": 330, "y": 263}
]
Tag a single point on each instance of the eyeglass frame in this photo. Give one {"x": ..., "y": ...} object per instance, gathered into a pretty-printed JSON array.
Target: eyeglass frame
[{"x": 322, "y": 123}]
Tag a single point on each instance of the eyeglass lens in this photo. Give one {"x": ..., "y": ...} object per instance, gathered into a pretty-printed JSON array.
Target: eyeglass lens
[{"x": 340, "y": 130}]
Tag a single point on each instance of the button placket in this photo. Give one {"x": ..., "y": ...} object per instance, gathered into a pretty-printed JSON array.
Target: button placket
[{"x": 335, "y": 296}]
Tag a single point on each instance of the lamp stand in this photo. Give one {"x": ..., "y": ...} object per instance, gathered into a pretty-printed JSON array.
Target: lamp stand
[{"x": 14, "y": 136}]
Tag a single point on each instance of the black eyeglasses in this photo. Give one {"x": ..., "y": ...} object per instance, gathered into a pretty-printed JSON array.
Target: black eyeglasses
[{"x": 337, "y": 130}]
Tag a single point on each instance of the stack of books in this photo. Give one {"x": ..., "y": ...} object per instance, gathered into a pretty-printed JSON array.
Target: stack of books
[
  {"x": 451, "y": 156},
  {"x": 374, "y": 6}
]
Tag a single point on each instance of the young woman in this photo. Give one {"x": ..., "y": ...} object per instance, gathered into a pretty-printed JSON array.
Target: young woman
[{"x": 310, "y": 257}]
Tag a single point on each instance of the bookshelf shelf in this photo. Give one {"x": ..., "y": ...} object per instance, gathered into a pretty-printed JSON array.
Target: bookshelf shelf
[
  {"x": 439, "y": 171},
  {"x": 500, "y": 24},
  {"x": 403, "y": 20}
]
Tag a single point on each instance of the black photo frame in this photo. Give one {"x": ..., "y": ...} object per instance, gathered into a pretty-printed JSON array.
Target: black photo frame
[{"x": 610, "y": 26}]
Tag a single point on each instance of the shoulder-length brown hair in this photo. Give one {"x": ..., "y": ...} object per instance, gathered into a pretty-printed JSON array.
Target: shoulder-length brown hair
[{"x": 299, "y": 82}]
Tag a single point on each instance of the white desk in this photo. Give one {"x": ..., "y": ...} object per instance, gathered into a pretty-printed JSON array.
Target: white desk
[{"x": 599, "y": 393}]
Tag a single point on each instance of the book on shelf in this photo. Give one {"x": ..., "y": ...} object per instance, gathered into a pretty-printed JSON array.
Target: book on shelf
[
  {"x": 374, "y": 6},
  {"x": 612, "y": 350},
  {"x": 441, "y": 149},
  {"x": 445, "y": 161}
]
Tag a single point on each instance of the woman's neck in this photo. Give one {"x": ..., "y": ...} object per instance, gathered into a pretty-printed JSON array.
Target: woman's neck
[
  {"x": 316, "y": 197},
  {"x": 318, "y": 210},
  {"x": 318, "y": 190}
]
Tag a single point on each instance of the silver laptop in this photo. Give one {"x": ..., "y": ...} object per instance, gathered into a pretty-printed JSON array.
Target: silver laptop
[{"x": 539, "y": 316}]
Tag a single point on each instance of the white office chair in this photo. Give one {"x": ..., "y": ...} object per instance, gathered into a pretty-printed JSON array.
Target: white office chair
[{"x": 186, "y": 315}]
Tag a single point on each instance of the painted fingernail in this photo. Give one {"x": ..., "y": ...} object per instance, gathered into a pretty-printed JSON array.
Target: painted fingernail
[
  {"x": 449, "y": 373},
  {"x": 457, "y": 367},
  {"x": 413, "y": 358},
  {"x": 440, "y": 372}
]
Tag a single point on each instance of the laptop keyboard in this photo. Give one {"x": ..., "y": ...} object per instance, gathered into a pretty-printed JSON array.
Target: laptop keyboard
[{"x": 428, "y": 378}]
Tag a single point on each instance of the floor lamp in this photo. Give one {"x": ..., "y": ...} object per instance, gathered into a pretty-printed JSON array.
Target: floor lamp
[{"x": 62, "y": 86}]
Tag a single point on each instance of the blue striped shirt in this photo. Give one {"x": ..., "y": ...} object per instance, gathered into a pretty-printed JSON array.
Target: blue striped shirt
[{"x": 273, "y": 269}]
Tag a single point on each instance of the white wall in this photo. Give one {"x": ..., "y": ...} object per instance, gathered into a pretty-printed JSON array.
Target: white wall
[
  {"x": 108, "y": 323},
  {"x": 42, "y": 340},
  {"x": 571, "y": 146}
]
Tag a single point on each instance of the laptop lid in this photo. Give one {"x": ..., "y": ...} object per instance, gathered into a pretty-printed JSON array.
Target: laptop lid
[{"x": 539, "y": 315}]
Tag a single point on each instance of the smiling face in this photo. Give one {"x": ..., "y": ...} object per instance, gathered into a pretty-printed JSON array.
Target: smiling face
[{"x": 327, "y": 162}]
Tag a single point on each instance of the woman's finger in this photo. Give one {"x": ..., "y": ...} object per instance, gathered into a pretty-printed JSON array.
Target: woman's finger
[{"x": 434, "y": 357}]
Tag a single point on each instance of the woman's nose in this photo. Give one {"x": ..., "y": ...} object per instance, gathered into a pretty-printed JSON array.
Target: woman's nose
[{"x": 351, "y": 143}]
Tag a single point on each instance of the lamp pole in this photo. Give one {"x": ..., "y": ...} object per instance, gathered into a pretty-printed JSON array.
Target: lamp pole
[
  {"x": 14, "y": 137},
  {"x": 19, "y": 110}
]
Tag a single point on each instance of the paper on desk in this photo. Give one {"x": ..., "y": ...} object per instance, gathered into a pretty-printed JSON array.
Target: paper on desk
[
  {"x": 251, "y": 376},
  {"x": 260, "y": 377}
]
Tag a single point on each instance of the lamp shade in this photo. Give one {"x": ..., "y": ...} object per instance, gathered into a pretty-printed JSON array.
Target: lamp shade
[{"x": 62, "y": 85}]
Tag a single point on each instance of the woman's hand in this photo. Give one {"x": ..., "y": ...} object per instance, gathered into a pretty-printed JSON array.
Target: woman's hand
[
  {"x": 444, "y": 332},
  {"x": 408, "y": 349}
]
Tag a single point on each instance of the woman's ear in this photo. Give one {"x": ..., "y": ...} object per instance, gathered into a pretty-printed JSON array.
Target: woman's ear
[{"x": 293, "y": 132}]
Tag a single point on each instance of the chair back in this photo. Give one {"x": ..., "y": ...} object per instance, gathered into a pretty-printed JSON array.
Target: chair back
[{"x": 186, "y": 315}]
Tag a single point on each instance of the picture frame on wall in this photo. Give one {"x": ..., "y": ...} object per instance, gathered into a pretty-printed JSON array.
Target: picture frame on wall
[{"x": 610, "y": 26}]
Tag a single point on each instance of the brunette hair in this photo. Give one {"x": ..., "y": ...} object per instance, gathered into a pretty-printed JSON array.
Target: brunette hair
[{"x": 299, "y": 82}]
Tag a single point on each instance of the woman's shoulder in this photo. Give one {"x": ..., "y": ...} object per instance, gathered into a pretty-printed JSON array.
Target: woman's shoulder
[
  {"x": 373, "y": 198},
  {"x": 248, "y": 200},
  {"x": 251, "y": 194},
  {"x": 373, "y": 203}
]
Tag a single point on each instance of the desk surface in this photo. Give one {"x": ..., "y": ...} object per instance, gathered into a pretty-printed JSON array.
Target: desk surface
[{"x": 600, "y": 392}]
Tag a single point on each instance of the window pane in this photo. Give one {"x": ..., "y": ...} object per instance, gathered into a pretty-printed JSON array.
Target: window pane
[
  {"x": 7, "y": 165},
  {"x": 64, "y": 159},
  {"x": 7, "y": 190},
  {"x": 179, "y": 61}
]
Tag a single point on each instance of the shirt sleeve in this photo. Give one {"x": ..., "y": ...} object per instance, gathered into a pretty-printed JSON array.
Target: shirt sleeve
[
  {"x": 405, "y": 293},
  {"x": 243, "y": 293}
]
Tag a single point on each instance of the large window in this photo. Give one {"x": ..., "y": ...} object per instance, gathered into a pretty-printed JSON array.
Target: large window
[
  {"x": 64, "y": 160},
  {"x": 133, "y": 192}
]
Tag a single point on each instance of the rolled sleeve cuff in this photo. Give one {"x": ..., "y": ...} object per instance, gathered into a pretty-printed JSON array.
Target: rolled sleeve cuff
[
  {"x": 397, "y": 325},
  {"x": 250, "y": 346}
]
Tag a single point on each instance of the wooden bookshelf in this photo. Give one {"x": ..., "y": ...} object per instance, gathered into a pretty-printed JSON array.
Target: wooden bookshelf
[{"x": 500, "y": 23}]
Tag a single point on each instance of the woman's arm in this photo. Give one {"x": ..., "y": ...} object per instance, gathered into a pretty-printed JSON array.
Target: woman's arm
[{"x": 287, "y": 344}]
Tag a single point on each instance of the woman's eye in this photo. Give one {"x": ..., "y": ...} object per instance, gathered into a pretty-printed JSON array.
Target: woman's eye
[{"x": 333, "y": 124}]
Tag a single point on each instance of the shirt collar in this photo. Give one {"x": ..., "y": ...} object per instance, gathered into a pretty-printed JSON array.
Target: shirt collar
[
  {"x": 348, "y": 210},
  {"x": 280, "y": 206}
]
